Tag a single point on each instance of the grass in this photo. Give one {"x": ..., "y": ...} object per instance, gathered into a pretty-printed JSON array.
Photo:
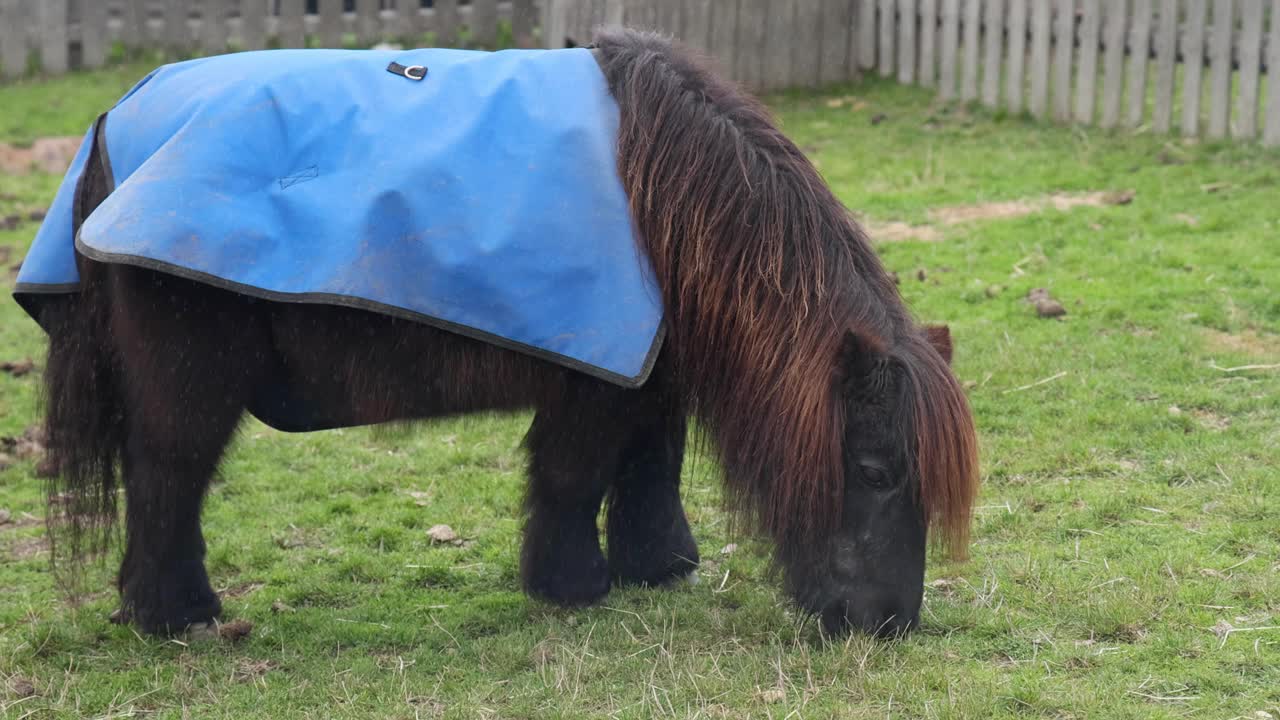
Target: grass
[{"x": 1127, "y": 557}]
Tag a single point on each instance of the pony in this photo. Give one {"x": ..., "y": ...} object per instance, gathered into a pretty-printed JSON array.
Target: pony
[{"x": 842, "y": 434}]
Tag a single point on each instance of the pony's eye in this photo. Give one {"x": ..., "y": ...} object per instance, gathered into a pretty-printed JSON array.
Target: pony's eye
[{"x": 877, "y": 477}]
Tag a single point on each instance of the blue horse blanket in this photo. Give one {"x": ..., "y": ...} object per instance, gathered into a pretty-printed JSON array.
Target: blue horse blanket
[{"x": 474, "y": 191}]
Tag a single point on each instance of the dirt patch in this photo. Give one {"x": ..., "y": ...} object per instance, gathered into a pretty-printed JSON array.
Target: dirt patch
[
  {"x": 248, "y": 670},
  {"x": 981, "y": 212},
  {"x": 241, "y": 590},
  {"x": 51, "y": 155},
  {"x": 17, "y": 368},
  {"x": 1249, "y": 342},
  {"x": 27, "y": 547},
  {"x": 1210, "y": 420},
  {"x": 900, "y": 231},
  {"x": 10, "y": 521}
]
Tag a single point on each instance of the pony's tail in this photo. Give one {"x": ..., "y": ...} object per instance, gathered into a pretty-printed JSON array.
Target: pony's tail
[{"x": 84, "y": 428}]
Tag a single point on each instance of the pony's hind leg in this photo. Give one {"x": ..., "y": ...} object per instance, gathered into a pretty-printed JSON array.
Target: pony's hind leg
[
  {"x": 189, "y": 357},
  {"x": 650, "y": 542}
]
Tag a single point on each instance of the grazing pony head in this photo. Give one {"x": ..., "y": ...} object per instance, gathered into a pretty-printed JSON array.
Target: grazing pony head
[{"x": 840, "y": 429}]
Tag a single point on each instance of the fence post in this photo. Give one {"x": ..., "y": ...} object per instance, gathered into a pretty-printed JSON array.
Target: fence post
[
  {"x": 1220, "y": 68},
  {"x": 1139, "y": 58},
  {"x": 724, "y": 33},
  {"x": 1086, "y": 83},
  {"x": 950, "y": 39},
  {"x": 253, "y": 24},
  {"x": 93, "y": 34},
  {"x": 293, "y": 28},
  {"x": 750, "y": 41},
  {"x": 330, "y": 29},
  {"x": 780, "y": 32},
  {"x": 213, "y": 26},
  {"x": 176, "y": 34},
  {"x": 993, "y": 44},
  {"x": 697, "y": 24},
  {"x": 906, "y": 41},
  {"x": 133, "y": 23},
  {"x": 1250, "y": 65},
  {"x": 1271, "y": 136},
  {"x": 1063, "y": 49},
  {"x": 1113, "y": 81},
  {"x": 523, "y": 18},
  {"x": 972, "y": 33},
  {"x": 806, "y": 55},
  {"x": 53, "y": 36},
  {"x": 928, "y": 72},
  {"x": 887, "y": 14},
  {"x": 1040, "y": 32},
  {"x": 837, "y": 27},
  {"x": 368, "y": 24},
  {"x": 866, "y": 45},
  {"x": 1193, "y": 68},
  {"x": 1014, "y": 88},
  {"x": 13, "y": 38},
  {"x": 1166, "y": 65}
]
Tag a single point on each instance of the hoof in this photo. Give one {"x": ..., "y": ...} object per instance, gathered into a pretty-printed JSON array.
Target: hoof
[
  {"x": 571, "y": 585},
  {"x": 651, "y": 559},
  {"x": 678, "y": 570}
]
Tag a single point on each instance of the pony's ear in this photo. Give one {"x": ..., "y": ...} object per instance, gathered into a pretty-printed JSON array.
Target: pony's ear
[
  {"x": 939, "y": 336},
  {"x": 860, "y": 358}
]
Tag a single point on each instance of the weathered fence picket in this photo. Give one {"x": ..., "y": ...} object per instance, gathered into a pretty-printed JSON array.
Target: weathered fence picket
[
  {"x": 1113, "y": 61},
  {"x": 724, "y": 28},
  {"x": 906, "y": 42},
  {"x": 1063, "y": 49},
  {"x": 1271, "y": 136},
  {"x": 866, "y": 31},
  {"x": 928, "y": 38},
  {"x": 1193, "y": 72},
  {"x": 1040, "y": 41},
  {"x": 1220, "y": 68},
  {"x": 1086, "y": 87},
  {"x": 751, "y": 41},
  {"x": 1166, "y": 66},
  {"x": 887, "y": 26},
  {"x": 806, "y": 59},
  {"x": 1014, "y": 81},
  {"x": 993, "y": 46},
  {"x": 972, "y": 27},
  {"x": 1250, "y": 57},
  {"x": 836, "y": 23},
  {"x": 1139, "y": 61},
  {"x": 950, "y": 44}
]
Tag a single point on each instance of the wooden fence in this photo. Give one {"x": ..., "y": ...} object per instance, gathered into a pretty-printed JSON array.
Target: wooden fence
[
  {"x": 1140, "y": 63},
  {"x": 764, "y": 44},
  {"x": 63, "y": 34}
]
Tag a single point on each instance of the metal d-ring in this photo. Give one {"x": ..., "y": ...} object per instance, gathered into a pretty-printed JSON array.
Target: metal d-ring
[{"x": 415, "y": 72}]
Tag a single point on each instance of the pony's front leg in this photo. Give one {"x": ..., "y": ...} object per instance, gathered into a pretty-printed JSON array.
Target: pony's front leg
[
  {"x": 573, "y": 448},
  {"x": 650, "y": 542}
]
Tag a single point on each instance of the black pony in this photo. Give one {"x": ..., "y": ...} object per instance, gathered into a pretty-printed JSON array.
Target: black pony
[{"x": 842, "y": 434}]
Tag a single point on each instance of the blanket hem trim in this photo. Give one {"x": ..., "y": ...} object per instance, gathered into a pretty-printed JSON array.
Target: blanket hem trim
[{"x": 320, "y": 298}]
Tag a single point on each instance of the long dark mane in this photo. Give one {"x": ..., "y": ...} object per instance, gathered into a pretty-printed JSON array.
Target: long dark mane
[{"x": 762, "y": 272}]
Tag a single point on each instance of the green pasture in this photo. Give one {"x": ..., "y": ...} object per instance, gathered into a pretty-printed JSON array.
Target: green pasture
[{"x": 1127, "y": 540}]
